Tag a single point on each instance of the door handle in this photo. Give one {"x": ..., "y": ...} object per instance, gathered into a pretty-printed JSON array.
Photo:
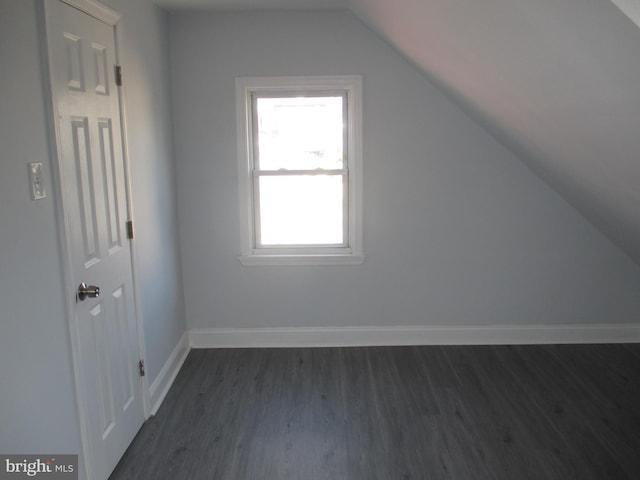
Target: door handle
[{"x": 88, "y": 291}]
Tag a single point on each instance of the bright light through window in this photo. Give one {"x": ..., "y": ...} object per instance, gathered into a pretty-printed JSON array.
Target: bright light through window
[
  {"x": 300, "y": 133},
  {"x": 300, "y": 170},
  {"x": 301, "y": 210}
]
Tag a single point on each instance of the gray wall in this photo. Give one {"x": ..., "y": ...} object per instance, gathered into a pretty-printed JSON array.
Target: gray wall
[
  {"x": 37, "y": 400},
  {"x": 457, "y": 230},
  {"x": 145, "y": 63}
]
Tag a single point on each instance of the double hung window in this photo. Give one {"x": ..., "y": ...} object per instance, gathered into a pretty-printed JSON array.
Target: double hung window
[{"x": 299, "y": 160}]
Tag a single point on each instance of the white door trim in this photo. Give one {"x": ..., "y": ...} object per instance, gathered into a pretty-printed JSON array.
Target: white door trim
[
  {"x": 96, "y": 10},
  {"x": 111, "y": 18}
]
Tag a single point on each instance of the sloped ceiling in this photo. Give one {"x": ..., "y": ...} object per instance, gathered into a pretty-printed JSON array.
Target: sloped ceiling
[{"x": 556, "y": 81}]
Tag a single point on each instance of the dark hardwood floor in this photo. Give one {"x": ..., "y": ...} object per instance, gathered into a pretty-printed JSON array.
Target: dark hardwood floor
[{"x": 459, "y": 412}]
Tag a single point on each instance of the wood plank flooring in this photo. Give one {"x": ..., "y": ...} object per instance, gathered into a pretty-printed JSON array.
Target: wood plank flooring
[{"x": 387, "y": 413}]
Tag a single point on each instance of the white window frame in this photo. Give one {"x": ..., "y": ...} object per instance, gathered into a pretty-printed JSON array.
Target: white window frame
[{"x": 251, "y": 254}]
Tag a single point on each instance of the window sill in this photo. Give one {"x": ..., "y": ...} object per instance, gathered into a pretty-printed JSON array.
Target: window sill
[{"x": 306, "y": 259}]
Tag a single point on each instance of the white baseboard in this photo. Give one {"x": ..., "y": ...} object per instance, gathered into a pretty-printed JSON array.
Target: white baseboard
[
  {"x": 162, "y": 383},
  {"x": 412, "y": 335}
]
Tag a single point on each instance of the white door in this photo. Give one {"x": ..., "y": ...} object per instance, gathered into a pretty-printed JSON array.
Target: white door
[{"x": 94, "y": 194}]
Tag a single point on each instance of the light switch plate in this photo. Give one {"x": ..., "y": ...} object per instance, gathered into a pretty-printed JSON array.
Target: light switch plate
[{"x": 37, "y": 181}]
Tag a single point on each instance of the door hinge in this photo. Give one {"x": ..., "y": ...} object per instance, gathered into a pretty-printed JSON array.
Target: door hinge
[
  {"x": 130, "y": 229},
  {"x": 118, "y": 75},
  {"x": 141, "y": 368}
]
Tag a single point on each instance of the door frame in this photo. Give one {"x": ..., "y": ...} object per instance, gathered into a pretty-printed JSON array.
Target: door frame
[{"x": 112, "y": 18}]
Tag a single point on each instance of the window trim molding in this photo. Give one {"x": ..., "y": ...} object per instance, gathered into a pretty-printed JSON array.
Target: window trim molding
[{"x": 250, "y": 255}]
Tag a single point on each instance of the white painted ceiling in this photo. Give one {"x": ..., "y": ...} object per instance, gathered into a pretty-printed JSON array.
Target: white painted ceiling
[
  {"x": 176, "y": 5},
  {"x": 556, "y": 81}
]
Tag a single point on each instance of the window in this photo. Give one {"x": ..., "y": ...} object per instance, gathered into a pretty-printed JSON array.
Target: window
[{"x": 299, "y": 164}]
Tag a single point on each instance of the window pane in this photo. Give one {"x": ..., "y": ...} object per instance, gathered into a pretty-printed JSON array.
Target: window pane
[
  {"x": 301, "y": 210},
  {"x": 300, "y": 133}
]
